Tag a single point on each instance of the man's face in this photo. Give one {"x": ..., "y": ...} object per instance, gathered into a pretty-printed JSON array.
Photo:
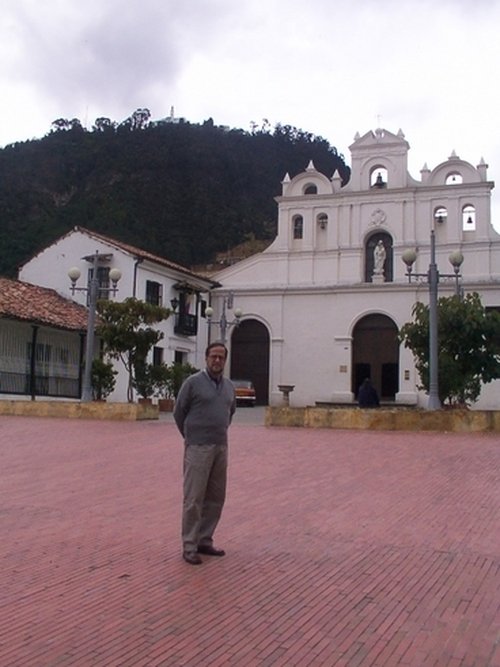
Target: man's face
[{"x": 216, "y": 360}]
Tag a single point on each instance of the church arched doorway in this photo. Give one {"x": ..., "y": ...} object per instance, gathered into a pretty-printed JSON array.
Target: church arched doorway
[
  {"x": 250, "y": 357},
  {"x": 375, "y": 354}
]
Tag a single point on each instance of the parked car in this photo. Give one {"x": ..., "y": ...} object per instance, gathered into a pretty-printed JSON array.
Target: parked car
[{"x": 245, "y": 392}]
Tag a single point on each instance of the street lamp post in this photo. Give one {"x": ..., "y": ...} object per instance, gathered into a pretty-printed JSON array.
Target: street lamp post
[
  {"x": 224, "y": 323},
  {"x": 433, "y": 276},
  {"x": 92, "y": 291}
]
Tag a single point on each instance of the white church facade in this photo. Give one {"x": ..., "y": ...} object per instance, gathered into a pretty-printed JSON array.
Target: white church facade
[{"x": 323, "y": 304}]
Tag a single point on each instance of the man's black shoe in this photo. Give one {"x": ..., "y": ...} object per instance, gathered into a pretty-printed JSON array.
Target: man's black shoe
[
  {"x": 209, "y": 550},
  {"x": 192, "y": 558}
]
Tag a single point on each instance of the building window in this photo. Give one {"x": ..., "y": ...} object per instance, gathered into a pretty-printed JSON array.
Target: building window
[
  {"x": 186, "y": 315},
  {"x": 454, "y": 178},
  {"x": 157, "y": 356},
  {"x": 102, "y": 282},
  {"x": 469, "y": 218},
  {"x": 298, "y": 227},
  {"x": 310, "y": 189},
  {"x": 378, "y": 177},
  {"x": 154, "y": 293},
  {"x": 180, "y": 357},
  {"x": 440, "y": 215},
  {"x": 322, "y": 220}
]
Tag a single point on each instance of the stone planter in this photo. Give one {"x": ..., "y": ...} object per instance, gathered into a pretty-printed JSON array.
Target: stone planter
[
  {"x": 77, "y": 410},
  {"x": 385, "y": 419}
]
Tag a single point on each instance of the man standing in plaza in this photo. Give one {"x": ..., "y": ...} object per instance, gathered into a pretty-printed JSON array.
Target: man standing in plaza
[{"x": 203, "y": 411}]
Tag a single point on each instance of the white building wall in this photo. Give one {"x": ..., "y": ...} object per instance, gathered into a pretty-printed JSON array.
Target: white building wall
[{"x": 50, "y": 269}]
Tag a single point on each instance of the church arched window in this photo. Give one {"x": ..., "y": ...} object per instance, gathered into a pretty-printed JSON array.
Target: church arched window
[
  {"x": 454, "y": 178},
  {"x": 378, "y": 177},
  {"x": 440, "y": 215},
  {"x": 322, "y": 220},
  {"x": 298, "y": 226},
  {"x": 469, "y": 218}
]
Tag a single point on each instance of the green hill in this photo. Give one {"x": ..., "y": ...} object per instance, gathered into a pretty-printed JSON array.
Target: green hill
[{"x": 181, "y": 190}]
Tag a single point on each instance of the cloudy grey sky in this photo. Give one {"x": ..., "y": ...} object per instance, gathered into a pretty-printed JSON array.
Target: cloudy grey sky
[{"x": 429, "y": 67}]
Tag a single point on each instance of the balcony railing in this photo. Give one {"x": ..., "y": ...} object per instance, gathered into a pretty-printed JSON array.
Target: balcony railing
[{"x": 186, "y": 325}]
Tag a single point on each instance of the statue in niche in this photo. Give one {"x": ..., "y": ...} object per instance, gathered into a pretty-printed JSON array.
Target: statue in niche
[{"x": 379, "y": 259}]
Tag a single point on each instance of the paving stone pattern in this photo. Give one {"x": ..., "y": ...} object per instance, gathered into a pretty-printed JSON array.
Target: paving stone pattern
[{"x": 344, "y": 548}]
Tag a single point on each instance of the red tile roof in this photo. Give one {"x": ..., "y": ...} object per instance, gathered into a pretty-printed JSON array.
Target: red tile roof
[{"x": 39, "y": 305}]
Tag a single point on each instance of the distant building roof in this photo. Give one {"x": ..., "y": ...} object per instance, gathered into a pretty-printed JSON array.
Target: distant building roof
[
  {"x": 144, "y": 254},
  {"x": 39, "y": 305}
]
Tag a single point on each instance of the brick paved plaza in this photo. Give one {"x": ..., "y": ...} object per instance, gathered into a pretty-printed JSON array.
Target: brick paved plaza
[{"x": 344, "y": 548}]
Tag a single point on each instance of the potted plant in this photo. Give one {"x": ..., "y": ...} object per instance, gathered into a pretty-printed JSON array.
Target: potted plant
[
  {"x": 163, "y": 384},
  {"x": 143, "y": 381},
  {"x": 102, "y": 379}
]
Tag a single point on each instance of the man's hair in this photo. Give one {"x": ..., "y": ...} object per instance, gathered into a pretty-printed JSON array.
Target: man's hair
[{"x": 216, "y": 344}]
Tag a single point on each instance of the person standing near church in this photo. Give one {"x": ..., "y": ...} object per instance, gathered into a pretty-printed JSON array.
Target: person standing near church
[
  {"x": 203, "y": 412},
  {"x": 367, "y": 395}
]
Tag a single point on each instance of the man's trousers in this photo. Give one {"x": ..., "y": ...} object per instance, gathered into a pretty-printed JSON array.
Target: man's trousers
[{"x": 205, "y": 476}]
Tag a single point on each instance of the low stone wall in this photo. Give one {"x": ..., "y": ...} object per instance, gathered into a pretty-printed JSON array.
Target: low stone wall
[
  {"x": 385, "y": 419},
  {"x": 77, "y": 410}
]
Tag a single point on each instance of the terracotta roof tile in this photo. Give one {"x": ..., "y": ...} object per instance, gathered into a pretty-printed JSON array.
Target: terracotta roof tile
[{"x": 31, "y": 303}]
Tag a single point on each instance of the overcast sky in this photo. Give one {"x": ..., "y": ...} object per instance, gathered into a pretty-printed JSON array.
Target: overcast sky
[{"x": 429, "y": 67}]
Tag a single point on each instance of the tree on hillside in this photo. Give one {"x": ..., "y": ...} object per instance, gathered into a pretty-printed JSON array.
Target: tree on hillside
[
  {"x": 65, "y": 125},
  {"x": 139, "y": 120},
  {"x": 468, "y": 347},
  {"x": 104, "y": 124}
]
